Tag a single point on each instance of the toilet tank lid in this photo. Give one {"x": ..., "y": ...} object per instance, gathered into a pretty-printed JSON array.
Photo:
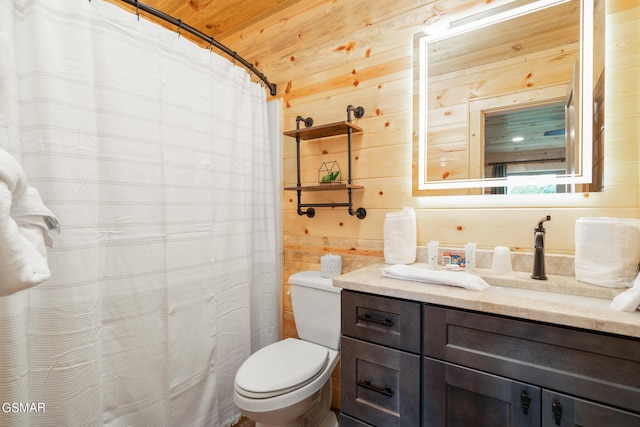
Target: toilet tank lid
[{"x": 313, "y": 279}]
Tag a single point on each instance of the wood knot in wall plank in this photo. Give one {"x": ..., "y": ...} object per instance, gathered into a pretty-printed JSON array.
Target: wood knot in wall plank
[
  {"x": 345, "y": 47},
  {"x": 529, "y": 77},
  {"x": 196, "y": 4}
]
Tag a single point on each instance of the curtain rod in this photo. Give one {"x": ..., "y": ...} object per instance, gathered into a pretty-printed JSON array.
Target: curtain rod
[{"x": 182, "y": 26}]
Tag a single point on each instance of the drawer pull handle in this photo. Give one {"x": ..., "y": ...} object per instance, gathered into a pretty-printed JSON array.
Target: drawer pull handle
[
  {"x": 386, "y": 390},
  {"x": 525, "y": 400},
  {"x": 556, "y": 408},
  {"x": 387, "y": 323}
]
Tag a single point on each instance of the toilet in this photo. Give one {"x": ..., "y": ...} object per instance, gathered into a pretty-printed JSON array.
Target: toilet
[{"x": 288, "y": 383}]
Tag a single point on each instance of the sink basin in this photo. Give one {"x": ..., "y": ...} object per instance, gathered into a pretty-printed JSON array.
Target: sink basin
[{"x": 554, "y": 285}]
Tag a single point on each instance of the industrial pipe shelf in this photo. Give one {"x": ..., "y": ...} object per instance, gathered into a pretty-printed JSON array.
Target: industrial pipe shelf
[{"x": 310, "y": 132}]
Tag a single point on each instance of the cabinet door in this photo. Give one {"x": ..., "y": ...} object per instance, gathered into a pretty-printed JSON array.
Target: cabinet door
[
  {"x": 568, "y": 411},
  {"x": 379, "y": 385},
  {"x": 455, "y": 396}
]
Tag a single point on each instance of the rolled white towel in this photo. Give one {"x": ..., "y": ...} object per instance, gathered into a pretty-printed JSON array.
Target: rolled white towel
[
  {"x": 24, "y": 230},
  {"x": 448, "y": 278},
  {"x": 628, "y": 300},
  {"x": 607, "y": 251}
]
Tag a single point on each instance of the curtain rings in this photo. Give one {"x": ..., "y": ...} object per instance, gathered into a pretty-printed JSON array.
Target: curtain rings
[
  {"x": 137, "y": 11},
  {"x": 179, "y": 26}
]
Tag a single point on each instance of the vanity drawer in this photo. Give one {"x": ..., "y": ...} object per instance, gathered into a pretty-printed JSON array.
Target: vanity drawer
[
  {"x": 347, "y": 421},
  {"x": 379, "y": 385},
  {"x": 596, "y": 366},
  {"x": 386, "y": 321}
]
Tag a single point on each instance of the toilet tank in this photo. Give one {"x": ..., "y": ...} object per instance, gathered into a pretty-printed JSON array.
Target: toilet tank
[{"x": 316, "y": 308}]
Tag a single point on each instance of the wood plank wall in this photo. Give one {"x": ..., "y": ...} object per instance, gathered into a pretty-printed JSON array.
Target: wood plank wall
[{"x": 327, "y": 54}]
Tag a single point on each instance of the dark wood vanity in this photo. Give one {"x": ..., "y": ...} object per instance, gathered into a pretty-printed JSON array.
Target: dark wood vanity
[{"x": 410, "y": 362}]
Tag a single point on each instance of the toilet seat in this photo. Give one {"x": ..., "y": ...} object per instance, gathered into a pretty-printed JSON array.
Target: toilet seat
[{"x": 280, "y": 368}]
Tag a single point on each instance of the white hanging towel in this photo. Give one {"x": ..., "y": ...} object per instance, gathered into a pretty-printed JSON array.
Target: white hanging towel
[
  {"x": 400, "y": 237},
  {"x": 628, "y": 300},
  {"x": 24, "y": 230}
]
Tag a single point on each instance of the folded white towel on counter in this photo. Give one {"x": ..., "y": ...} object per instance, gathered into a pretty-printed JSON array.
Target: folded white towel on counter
[
  {"x": 448, "y": 278},
  {"x": 629, "y": 300},
  {"x": 400, "y": 237},
  {"x": 24, "y": 230}
]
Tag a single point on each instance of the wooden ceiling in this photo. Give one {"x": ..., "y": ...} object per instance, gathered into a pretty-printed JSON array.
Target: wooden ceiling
[{"x": 216, "y": 18}]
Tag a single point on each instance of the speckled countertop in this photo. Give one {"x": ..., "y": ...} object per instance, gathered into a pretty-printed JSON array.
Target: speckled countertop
[{"x": 560, "y": 300}]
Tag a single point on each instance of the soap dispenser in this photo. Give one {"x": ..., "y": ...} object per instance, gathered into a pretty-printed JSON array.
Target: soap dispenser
[{"x": 538, "y": 256}]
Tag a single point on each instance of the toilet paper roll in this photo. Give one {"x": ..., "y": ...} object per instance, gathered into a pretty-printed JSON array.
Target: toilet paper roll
[
  {"x": 330, "y": 266},
  {"x": 400, "y": 237}
]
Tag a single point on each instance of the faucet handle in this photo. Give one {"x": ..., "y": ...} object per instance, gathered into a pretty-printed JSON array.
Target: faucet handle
[{"x": 540, "y": 227}]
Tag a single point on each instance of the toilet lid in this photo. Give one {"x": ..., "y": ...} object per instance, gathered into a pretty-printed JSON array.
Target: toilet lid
[{"x": 281, "y": 367}]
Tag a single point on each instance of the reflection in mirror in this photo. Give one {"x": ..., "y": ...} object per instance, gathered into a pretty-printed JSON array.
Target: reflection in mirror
[
  {"x": 528, "y": 142},
  {"x": 485, "y": 82}
]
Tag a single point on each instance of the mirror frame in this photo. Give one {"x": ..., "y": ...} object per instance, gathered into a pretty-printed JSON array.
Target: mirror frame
[{"x": 583, "y": 121}]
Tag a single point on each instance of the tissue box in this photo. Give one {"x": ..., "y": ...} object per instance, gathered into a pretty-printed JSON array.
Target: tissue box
[
  {"x": 607, "y": 251},
  {"x": 330, "y": 266}
]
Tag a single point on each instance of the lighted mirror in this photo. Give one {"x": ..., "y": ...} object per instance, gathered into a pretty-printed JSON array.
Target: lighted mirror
[{"x": 503, "y": 100}]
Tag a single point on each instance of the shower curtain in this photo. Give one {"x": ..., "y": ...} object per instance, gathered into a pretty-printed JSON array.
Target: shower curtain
[{"x": 154, "y": 155}]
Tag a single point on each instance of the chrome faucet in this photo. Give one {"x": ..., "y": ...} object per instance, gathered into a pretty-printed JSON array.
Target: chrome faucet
[{"x": 538, "y": 256}]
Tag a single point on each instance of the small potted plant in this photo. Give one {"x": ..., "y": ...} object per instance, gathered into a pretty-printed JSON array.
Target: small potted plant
[{"x": 329, "y": 173}]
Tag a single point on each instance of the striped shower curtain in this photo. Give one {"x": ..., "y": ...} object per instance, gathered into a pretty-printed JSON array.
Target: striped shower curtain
[{"x": 154, "y": 155}]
